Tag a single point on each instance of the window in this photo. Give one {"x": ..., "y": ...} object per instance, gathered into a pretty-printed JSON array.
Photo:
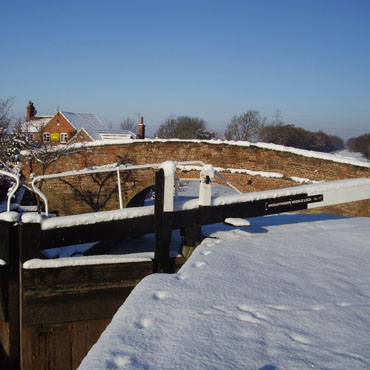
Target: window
[
  {"x": 46, "y": 137},
  {"x": 63, "y": 137}
]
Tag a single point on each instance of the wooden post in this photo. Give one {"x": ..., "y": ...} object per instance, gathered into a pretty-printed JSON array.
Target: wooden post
[
  {"x": 10, "y": 293},
  {"x": 29, "y": 241},
  {"x": 192, "y": 238},
  {"x": 162, "y": 227},
  {"x": 29, "y": 247}
]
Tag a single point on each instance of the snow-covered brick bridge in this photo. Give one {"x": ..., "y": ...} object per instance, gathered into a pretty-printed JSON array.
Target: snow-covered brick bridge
[{"x": 250, "y": 167}]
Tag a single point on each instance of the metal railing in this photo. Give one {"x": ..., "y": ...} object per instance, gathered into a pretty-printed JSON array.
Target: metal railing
[
  {"x": 13, "y": 189},
  {"x": 170, "y": 180}
]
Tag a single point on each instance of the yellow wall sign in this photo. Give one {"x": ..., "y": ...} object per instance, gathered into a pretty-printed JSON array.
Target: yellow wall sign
[{"x": 54, "y": 136}]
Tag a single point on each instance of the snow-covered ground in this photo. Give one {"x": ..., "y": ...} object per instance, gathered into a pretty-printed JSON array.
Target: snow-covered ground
[
  {"x": 355, "y": 155},
  {"x": 289, "y": 292}
]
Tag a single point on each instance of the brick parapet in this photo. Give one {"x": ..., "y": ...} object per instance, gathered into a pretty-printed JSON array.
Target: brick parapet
[{"x": 222, "y": 155}]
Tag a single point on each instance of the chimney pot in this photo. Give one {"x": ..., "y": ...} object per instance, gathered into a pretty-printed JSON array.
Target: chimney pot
[
  {"x": 31, "y": 111},
  {"x": 141, "y": 129}
]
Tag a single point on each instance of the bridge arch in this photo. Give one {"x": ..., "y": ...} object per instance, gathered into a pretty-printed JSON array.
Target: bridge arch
[{"x": 139, "y": 198}]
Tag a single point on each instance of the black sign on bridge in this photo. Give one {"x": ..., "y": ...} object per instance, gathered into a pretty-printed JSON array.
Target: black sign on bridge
[{"x": 291, "y": 202}]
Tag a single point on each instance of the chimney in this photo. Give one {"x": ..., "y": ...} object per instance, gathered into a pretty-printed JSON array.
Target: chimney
[
  {"x": 141, "y": 129},
  {"x": 31, "y": 111}
]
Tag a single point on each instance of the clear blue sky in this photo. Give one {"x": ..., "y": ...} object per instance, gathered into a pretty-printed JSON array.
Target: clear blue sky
[{"x": 211, "y": 59}]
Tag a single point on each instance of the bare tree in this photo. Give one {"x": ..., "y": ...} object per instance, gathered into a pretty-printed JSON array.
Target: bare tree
[
  {"x": 184, "y": 127},
  {"x": 42, "y": 154},
  {"x": 129, "y": 124},
  {"x": 100, "y": 189},
  {"x": 5, "y": 114},
  {"x": 245, "y": 126}
]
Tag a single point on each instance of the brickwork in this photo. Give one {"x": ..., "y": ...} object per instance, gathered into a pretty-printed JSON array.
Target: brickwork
[
  {"x": 58, "y": 125},
  {"x": 220, "y": 155}
]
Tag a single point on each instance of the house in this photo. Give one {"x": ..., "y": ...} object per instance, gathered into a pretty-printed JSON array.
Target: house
[
  {"x": 34, "y": 124},
  {"x": 68, "y": 127}
]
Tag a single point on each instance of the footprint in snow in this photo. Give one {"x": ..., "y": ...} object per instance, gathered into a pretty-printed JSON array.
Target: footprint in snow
[
  {"x": 244, "y": 307},
  {"x": 121, "y": 361},
  {"x": 181, "y": 276},
  {"x": 343, "y": 304},
  {"x": 215, "y": 310},
  {"x": 144, "y": 323},
  {"x": 299, "y": 338},
  {"x": 249, "y": 317},
  {"x": 278, "y": 307},
  {"x": 252, "y": 311},
  {"x": 160, "y": 294},
  {"x": 205, "y": 253},
  {"x": 220, "y": 308},
  {"x": 198, "y": 264},
  {"x": 317, "y": 308}
]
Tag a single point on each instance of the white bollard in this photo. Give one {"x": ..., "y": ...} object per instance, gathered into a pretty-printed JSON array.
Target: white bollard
[
  {"x": 207, "y": 175},
  {"x": 169, "y": 169}
]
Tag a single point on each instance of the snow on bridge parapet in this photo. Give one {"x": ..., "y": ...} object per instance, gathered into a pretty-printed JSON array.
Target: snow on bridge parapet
[
  {"x": 275, "y": 147},
  {"x": 234, "y": 170}
]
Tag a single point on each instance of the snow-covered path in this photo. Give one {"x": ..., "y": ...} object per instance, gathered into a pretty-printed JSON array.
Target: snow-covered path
[{"x": 290, "y": 292}]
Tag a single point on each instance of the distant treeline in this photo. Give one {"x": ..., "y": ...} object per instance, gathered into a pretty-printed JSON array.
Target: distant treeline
[
  {"x": 360, "y": 144},
  {"x": 251, "y": 126},
  {"x": 297, "y": 137}
]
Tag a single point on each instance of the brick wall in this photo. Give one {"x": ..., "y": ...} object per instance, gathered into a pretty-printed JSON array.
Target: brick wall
[{"x": 220, "y": 155}]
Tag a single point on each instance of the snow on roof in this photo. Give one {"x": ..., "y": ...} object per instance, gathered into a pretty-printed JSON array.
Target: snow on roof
[
  {"x": 116, "y": 134},
  {"x": 35, "y": 125},
  {"x": 87, "y": 121},
  {"x": 291, "y": 292},
  {"x": 95, "y": 128}
]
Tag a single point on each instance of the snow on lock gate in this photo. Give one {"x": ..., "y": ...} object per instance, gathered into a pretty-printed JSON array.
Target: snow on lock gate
[{"x": 91, "y": 290}]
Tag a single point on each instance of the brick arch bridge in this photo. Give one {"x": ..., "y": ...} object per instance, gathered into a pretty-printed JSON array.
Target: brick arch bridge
[{"x": 249, "y": 167}]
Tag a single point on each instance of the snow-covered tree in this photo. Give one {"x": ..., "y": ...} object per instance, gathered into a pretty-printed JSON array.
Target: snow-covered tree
[{"x": 12, "y": 140}]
